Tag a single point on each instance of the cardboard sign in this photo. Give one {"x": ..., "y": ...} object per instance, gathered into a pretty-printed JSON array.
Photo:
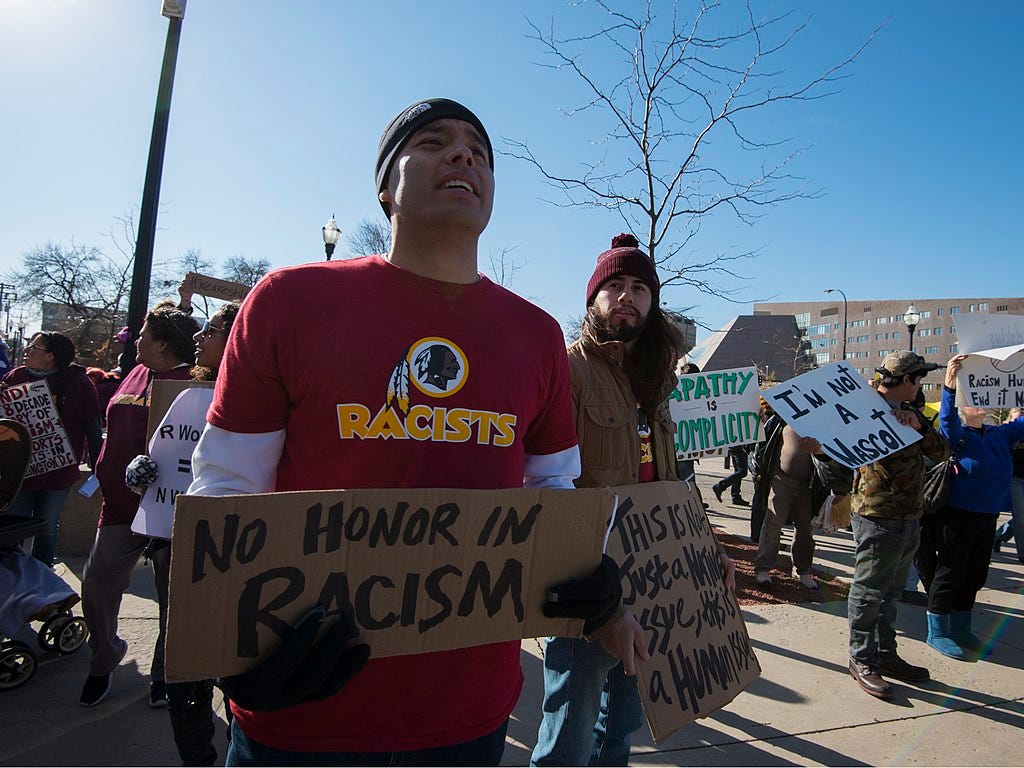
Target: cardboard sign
[
  {"x": 988, "y": 382},
  {"x": 31, "y": 405},
  {"x": 214, "y": 287},
  {"x": 841, "y": 411},
  {"x": 163, "y": 393},
  {"x": 171, "y": 447},
  {"x": 701, "y": 656},
  {"x": 996, "y": 336},
  {"x": 422, "y": 569},
  {"x": 715, "y": 409}
]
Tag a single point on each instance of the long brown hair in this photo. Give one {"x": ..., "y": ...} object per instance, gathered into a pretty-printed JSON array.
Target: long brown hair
[{"x": 651, "y": 366}]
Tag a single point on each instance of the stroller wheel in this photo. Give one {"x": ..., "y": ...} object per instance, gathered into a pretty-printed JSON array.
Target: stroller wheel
[
  {"x": 72, "y": 635},
  {"x": 17, "y": 664},
  {"x": 50, "y": 632}
]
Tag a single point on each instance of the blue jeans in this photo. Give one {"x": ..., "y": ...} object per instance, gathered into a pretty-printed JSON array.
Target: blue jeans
[
  {"x": 885, "y": 550},
  {"x": 1015, "y": 527},
  {"x": 591, "y": 707},
  {"x": 45, "y": 505},
  {"x": 487, "y": 750}
]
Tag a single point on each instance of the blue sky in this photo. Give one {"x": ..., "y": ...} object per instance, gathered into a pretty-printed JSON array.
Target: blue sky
[{"x": 277, "y": 109}]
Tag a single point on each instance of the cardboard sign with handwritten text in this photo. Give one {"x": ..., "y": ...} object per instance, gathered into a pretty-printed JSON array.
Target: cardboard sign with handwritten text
[
  {"x": 421, "y": 569},
  {"x": 32, "y": 406},
  {"x": 701, "y": 656}
]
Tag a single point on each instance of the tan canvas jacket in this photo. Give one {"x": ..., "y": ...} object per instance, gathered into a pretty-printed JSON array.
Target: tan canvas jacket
[{"x": 606, "y": 420}]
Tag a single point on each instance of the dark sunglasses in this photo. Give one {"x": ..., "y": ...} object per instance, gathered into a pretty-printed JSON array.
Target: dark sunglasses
[{"x": 208, "y": 329}]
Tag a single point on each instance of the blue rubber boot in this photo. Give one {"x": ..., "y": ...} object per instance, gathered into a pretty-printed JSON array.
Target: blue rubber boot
[
  {"x": 939, "y": 637},
  {"x": 960, "y": 629}
]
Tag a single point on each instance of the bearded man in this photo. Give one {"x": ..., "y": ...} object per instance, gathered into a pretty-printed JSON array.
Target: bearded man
[{"x": 622, "y": 370}]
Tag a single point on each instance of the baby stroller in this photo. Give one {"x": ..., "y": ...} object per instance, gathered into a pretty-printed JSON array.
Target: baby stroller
[{"x": 29, "y": 591}]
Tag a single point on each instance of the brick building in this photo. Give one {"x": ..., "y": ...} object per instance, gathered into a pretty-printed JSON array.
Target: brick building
[{"x": 873, "y": 329}]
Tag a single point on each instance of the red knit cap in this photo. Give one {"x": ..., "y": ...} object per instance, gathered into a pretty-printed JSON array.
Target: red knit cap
[{"x": 624, "y": 258}]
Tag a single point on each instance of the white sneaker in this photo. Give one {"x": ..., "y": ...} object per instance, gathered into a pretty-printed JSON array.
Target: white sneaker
[
  {"x": 807, "y": 580},
  {"x": 763, "y": 578}
]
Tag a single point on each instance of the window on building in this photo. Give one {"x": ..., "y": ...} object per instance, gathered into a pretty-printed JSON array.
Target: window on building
[
  {"x": 835, "y": 326},
  {"x": 915, "y": 350},
  {"x": 954, "y": 348},
  {"x": 925, "y": 332},
  {"x": 833, "y": 341},
  {"x": 952, "y": 329},
  {"x": 937, "y": 331},
  {"x": 954, "y": 310},
  {"x": 931, "y": 350},
  {"x": 862, "y": 339},
  {"x": 927, "y": 387},
  {"x": 884, "y": 352},
  {"x": 896, "y": 334},
  {"x": 940, "y": 312},
  {"x": 899, "y": 318},
  {"x": 878, "y": 337},
  {"x": 1001, "y": 307},
  {"x": 821, "y": 358},
  {"x": 881, "y": 320},
  {"x": 819, "y": 343},
  {"x": 983, "y": 307}
]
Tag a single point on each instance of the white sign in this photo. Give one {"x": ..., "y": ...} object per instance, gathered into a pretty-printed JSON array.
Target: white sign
[
  {"x": 31, "y": 406},
  {"x": 714, "y": 410},
  {"x": 996, "y": 336},
  {"x": 988, "y": 382},
  {"x": 171, "y": 448},
  {"x": 834, "y": 405}
]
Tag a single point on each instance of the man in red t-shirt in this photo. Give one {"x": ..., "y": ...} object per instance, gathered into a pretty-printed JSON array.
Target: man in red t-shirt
[
  {"x": 402, "y": 370},
  {"x": 622, "y": 370}
]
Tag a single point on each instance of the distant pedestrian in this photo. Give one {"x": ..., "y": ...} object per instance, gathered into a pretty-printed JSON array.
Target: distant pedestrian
[{"x": 737, "y": 457}]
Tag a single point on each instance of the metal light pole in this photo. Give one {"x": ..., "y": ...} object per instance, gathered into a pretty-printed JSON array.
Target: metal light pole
[
  {"x": 138, "y": 299},
  {"x": 911, "y": 317},
  {"x": 331, "y": 235},
  {"x": 845, "y": 306}
]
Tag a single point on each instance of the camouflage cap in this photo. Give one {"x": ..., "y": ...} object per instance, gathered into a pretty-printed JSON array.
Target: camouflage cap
[{"x": 905, "y": 362}]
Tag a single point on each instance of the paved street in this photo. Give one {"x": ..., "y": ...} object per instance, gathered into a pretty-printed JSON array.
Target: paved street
[{"x": 804, "y": 709}]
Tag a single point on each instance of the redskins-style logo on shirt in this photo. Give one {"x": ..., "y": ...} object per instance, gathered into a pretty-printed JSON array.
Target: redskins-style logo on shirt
[
  {"x": 438, "y": 367},
  {"x": 431, "y": 369}
]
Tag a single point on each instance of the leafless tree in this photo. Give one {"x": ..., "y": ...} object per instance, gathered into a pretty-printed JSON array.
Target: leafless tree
[
  {"x": 682, "y": 82},
  {"x": 91, "y": 285},
  {"x": 370, "y": 236},
  {"x": 504, "y": 265},
  {"x": 239, "y": 269}
]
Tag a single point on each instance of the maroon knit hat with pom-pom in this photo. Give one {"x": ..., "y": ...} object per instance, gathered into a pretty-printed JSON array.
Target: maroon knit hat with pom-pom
[{"x": 624, "y": 258}]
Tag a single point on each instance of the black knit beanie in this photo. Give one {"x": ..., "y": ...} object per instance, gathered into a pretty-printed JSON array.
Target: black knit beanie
[
  {"x": 410, "y": 120},
  {"x": 624, "y": 258}
]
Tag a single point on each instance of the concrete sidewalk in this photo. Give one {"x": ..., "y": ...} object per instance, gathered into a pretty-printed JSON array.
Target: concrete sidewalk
[{"x": 804, "y": 710}]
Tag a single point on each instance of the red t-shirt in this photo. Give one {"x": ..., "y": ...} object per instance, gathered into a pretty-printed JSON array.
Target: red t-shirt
[
  {"x": 384, "y": 379},
  {"x": 646, "y": 472}
]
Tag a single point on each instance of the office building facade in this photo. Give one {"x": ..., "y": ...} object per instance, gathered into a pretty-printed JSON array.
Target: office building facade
[{"x": 873, "y": 329}]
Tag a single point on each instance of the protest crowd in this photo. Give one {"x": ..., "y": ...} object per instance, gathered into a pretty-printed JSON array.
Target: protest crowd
[{"x": 464, "y": 385}]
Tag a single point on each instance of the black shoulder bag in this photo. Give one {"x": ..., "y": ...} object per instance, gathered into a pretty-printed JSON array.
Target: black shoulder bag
[{"x": 937, "y": 480}]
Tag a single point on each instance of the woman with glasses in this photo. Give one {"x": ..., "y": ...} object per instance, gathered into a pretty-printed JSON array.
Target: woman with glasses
[
  {"x": 50, "y": 357},
  {"x": 165, "y": 350},
  {"x": 190, "y": 705}
]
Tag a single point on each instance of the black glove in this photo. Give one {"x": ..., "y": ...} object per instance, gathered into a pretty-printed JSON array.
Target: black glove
[
  {"x": 298, "y": 672},
  {"x": 594, "y": 598}
]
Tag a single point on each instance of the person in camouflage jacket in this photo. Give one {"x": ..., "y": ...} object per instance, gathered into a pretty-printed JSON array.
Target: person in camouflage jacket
[{"x": 887, "y": 500}]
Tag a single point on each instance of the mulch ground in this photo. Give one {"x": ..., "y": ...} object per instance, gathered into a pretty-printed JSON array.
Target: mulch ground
[{"x": 785, "y": 588}]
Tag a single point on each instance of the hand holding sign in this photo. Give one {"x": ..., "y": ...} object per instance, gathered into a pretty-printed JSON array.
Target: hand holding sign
[{"x": 297, "y": 672}]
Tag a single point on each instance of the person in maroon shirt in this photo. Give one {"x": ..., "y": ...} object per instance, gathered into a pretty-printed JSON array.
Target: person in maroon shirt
[
  {"x": 165, "y": 351},
  {"x": 49, "y": 357}
]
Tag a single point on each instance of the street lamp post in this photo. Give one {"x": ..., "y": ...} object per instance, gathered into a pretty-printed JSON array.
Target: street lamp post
[
  {"x": 845, "y": 305},
  {"x": 138, "y": 298},
  {"x": 911, "y": 317},
  {"x": 331, "y": 235}
]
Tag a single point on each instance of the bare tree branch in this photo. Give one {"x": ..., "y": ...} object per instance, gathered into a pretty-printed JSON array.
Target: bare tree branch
[{"x": 683, "y": 89}]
